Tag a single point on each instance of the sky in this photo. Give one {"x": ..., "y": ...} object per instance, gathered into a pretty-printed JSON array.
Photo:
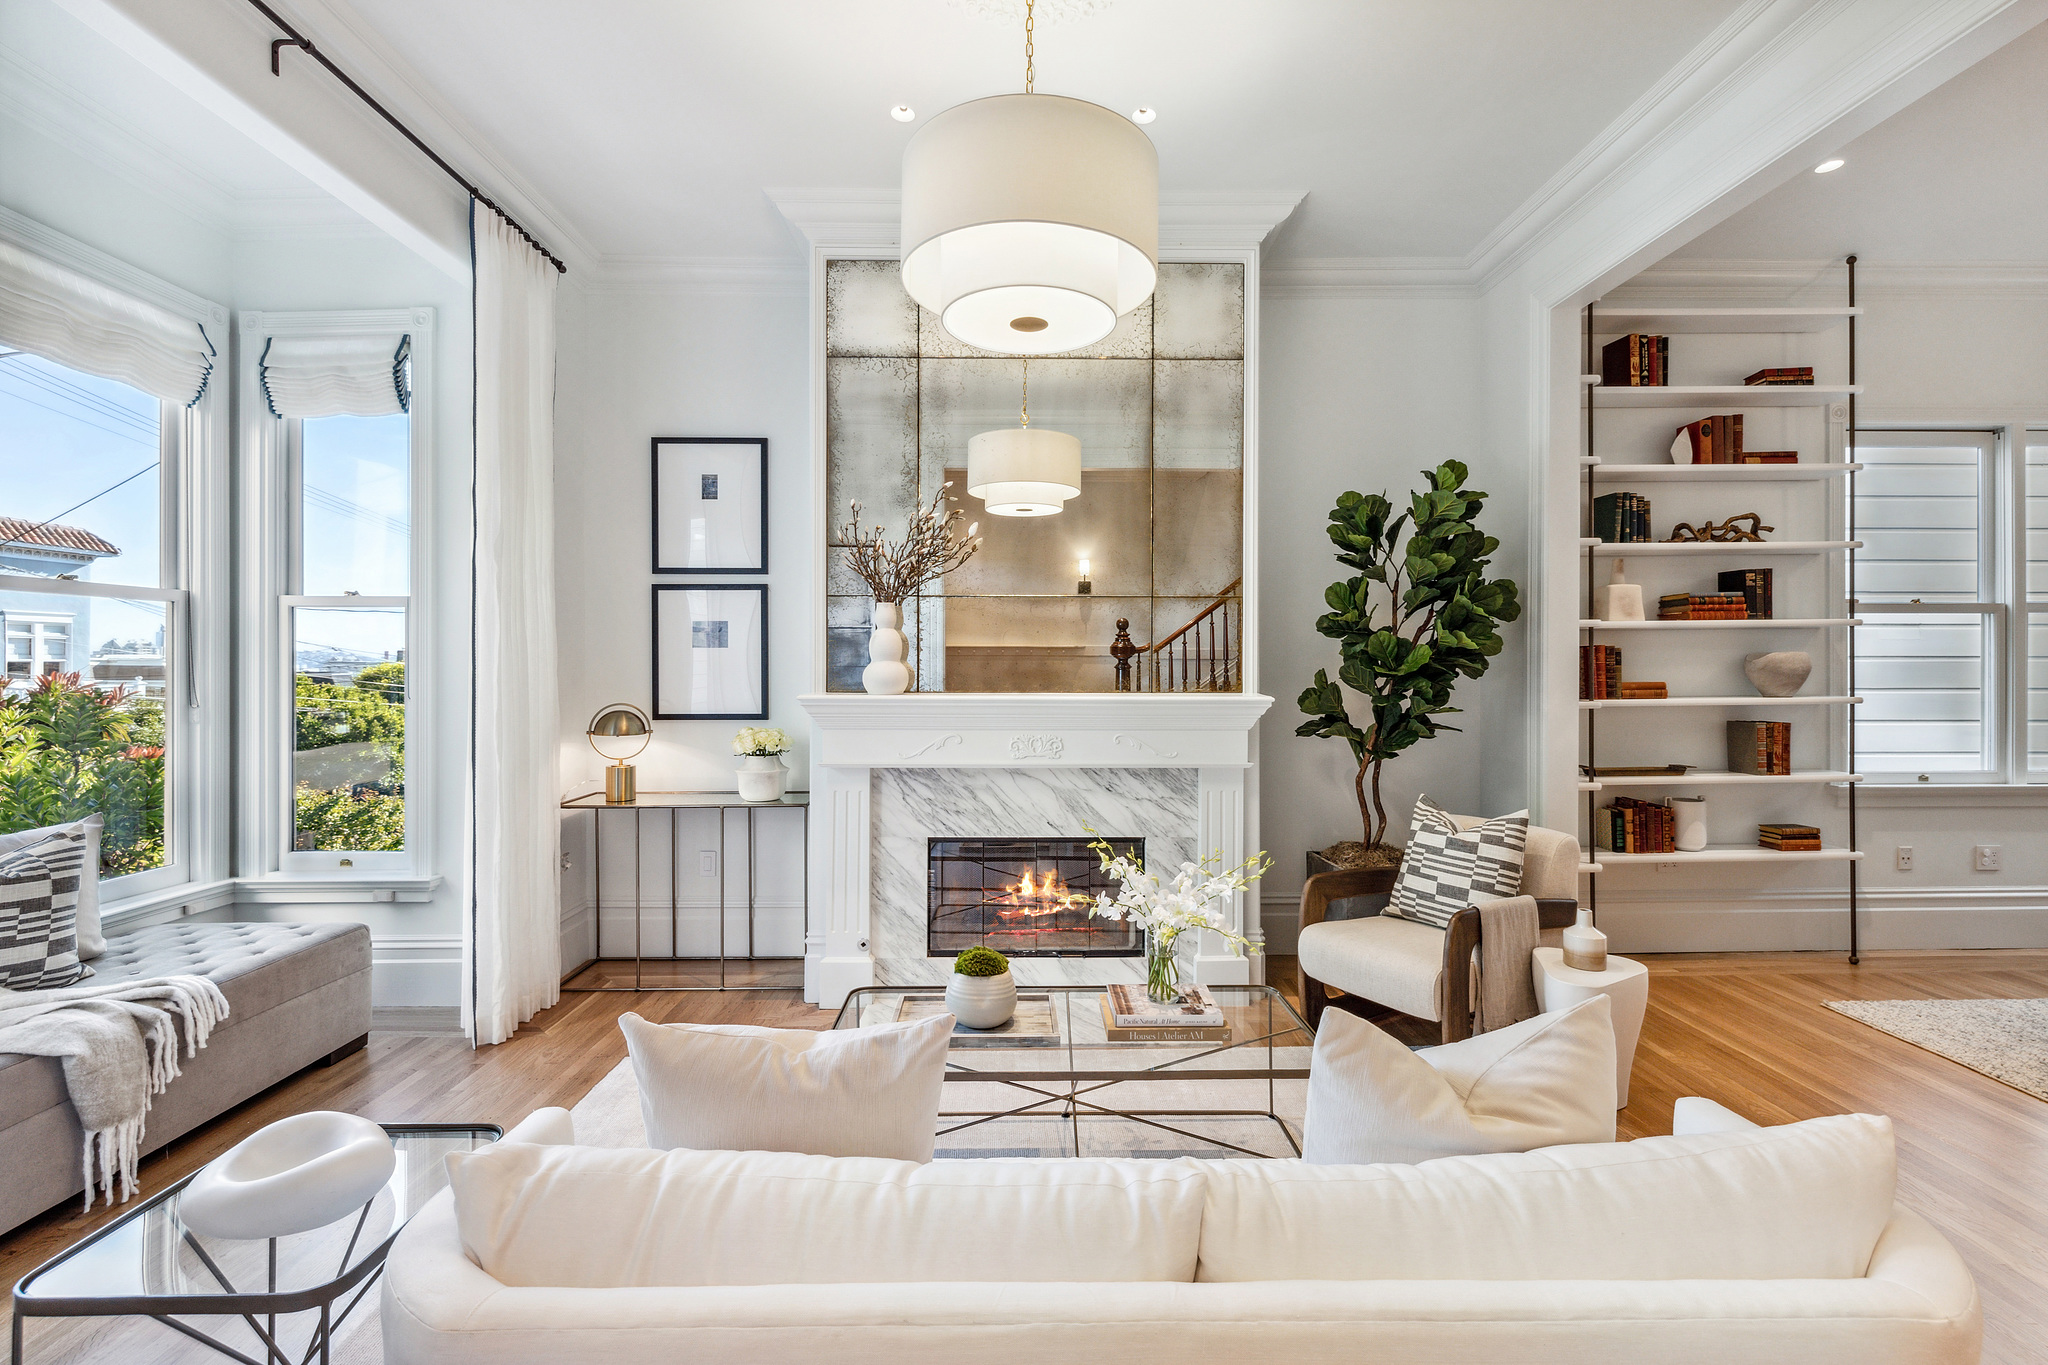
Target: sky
[{"x": 83, "y": 451}]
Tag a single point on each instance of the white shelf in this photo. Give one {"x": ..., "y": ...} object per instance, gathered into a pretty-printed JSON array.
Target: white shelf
[
  {"x": 1731, "y": 853},
  {"x": 1719, "y": 779},
  {"x": 1608, "y": 703},
  {"x": 1795, "y": 623},
  {"x": 1589, "y": 460},
  {"x": 1716, "y": 395},
  {"x": 1618, "y": 549},
  {"x": 1682, "y": 320},
  {"x": 1718, "y": 473}
]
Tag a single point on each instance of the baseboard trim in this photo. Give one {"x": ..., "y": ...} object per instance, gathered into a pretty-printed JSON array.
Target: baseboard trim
[{"x": 416, "y": 1019}]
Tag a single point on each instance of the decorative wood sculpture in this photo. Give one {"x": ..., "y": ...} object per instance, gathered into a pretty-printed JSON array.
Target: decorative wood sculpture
[{"x": 1720, "y": 531}]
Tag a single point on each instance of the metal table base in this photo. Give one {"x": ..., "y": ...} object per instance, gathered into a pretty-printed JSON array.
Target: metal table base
[{"x": 675, "y": 803}]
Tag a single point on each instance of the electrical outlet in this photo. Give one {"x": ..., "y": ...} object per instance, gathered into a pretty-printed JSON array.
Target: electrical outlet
[
  {"x": 707, "y": 863},
  {"x": 1984, "y": 857},
  {"x": 1669, "y": 867},
  {"x": 1902, "y": 857},
  {"x": 565, "y": 862}
]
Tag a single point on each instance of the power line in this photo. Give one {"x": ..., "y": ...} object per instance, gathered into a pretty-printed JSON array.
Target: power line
[
  {"x": 76, "y": 392},
  {"x": 74, "y": 417},
  {"x": 18, "y": 540}
]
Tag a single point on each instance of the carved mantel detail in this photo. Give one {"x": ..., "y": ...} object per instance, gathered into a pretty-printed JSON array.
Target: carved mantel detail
[{"x": 1048, "y": 747}]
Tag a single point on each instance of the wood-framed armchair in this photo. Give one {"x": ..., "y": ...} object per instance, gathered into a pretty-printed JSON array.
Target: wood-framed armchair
[{"x": 1382, "y": 961}]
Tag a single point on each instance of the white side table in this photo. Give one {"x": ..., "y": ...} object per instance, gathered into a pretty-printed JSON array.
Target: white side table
[{"x": 1625, "y": 982}]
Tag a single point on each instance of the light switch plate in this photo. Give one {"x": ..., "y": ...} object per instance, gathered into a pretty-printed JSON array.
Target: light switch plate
[
  {"x": 1904, "y": 857},
  {"x": 707, "y": 863},
  {"x": 1984, "y": 857}
]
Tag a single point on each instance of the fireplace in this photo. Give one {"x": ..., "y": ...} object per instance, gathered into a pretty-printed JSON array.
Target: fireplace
[{"x": 1024, "y": 898}]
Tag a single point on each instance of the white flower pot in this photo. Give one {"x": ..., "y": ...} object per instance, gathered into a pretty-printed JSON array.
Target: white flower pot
[
  {"x": 887, "y": 674},
  {"x": 982, "y": 1001},
  {"x": 762, "y": 777}
]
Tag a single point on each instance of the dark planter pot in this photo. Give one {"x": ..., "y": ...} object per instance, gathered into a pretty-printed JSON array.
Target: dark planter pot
[{"x": 1352, "y": 907}]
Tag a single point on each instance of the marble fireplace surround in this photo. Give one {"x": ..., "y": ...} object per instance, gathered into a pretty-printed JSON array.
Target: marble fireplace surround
[{"x": 889, "y": 773}]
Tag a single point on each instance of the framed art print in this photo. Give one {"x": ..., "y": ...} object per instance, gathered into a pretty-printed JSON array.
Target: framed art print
[
  {"x": 710, "y": 504},
  {"x": 711, "y": 651}
]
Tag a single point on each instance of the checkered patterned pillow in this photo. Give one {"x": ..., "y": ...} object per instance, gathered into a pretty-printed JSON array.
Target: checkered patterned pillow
[
  {"x": 1446, "y": 869},
  {"x": 39, "y": 915}
]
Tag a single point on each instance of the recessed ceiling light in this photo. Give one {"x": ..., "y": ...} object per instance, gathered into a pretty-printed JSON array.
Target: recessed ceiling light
[
  {"x": 1833, "y": 163},
  {"x": 1142, "y": 114},
  {"x": 903, "y": 113}
]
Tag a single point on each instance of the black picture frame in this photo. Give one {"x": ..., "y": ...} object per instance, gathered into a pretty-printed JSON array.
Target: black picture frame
[
  {"x": 663, "y": 613},
  {"x": 755, "y": 483}
]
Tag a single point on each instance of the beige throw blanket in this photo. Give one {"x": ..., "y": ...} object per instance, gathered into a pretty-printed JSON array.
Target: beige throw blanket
[
  {"x": 119, "y": 1046},
  {"x": 1507, "y": 975}
]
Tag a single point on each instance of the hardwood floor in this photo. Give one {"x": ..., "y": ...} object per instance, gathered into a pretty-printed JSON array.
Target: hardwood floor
[{"x": 1749, "y": 1030}]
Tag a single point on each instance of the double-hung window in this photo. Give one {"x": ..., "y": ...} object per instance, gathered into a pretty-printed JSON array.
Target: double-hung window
[
  {"x": 1952, "y": 585},
  {"x": 338, "y": 450}
]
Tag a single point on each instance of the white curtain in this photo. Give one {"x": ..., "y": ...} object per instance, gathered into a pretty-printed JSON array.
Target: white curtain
[
  {"x": 60, "y": 315},
  {"x": 337, "y": 376},
  {"x": 513, "y": 947}
]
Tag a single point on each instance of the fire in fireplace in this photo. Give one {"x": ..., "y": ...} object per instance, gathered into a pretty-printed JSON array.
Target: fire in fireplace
[{"x": 1024, "y": 898}]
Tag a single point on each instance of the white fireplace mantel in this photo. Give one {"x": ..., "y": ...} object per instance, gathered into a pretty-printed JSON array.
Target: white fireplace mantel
[{"x": 854, "y": 734}]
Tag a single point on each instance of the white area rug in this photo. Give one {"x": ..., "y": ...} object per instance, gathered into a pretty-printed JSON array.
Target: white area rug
[{"x": 2007, "y": 1040}]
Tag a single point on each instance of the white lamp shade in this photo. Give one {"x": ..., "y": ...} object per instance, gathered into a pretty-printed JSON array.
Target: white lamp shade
[
  {"x": 1024, "y": 471},
  {"x": 1030, "y": 222}
]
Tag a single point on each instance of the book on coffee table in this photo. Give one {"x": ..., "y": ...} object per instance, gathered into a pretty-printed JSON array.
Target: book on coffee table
[
  {"x": 1033, "y": 1025},
  {"x": 1130, "y": 1016}
]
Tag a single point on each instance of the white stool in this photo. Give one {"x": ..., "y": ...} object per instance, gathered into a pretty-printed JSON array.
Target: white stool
[{"x": 1626, "y": 983}]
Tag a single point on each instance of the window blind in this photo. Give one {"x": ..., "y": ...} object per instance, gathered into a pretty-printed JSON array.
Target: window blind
[
  {"x": 70, "y": 320},
  {"x": 338, "y": 376}
]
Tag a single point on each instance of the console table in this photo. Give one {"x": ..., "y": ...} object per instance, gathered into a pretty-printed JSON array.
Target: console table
[{"x": 675, "y": 803}]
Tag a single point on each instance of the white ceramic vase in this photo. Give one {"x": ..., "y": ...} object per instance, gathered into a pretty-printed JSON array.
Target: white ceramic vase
[
  {"x": 1689, "y": 813},
  {"x": 887, "y": 674},
  {"x": 762, "y": 777},
  {"x": 1585, "y": 948},
  {"x": 292, "y": 1176},
  {"x": 982, "y": 1001}
]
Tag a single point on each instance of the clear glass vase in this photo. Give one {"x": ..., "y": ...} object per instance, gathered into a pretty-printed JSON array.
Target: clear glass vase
[{"x": 1162, "y": 969}]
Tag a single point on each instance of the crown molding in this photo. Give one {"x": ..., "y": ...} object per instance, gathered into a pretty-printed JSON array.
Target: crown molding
[
  {"x": 1229, "y": 221},
  {"x": 1703, "y": 279},
  {"x": 728, "y": 276},
  {"x": 1368, "y": 277}
]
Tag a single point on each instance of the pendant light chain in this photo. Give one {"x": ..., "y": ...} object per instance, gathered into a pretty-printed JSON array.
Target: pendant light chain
[
  {"x": 1029, "y": 19},
  {"x": 1024, "y": 408}
]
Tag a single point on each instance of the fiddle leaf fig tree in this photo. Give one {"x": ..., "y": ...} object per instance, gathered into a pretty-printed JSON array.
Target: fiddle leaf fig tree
[{"x": 1418, "y": 615}]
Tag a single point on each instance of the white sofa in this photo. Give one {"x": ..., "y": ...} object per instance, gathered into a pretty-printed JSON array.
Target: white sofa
[{"x": 1716, "y": 1246}]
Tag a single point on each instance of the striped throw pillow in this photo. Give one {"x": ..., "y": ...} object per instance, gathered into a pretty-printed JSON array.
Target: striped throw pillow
[
  {"x": 39, "y": 915},
  {"x": 1446, "y": 869}
]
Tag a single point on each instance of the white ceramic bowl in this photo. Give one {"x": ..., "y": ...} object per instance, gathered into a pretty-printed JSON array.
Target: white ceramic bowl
[{"x": 295, "y": 1175}]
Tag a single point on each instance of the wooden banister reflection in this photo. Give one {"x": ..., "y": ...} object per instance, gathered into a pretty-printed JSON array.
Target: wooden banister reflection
[{"x": 1202, "y": 656}]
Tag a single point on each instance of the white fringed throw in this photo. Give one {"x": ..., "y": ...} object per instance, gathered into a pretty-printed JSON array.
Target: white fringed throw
[{"x": 119, "y": 1047}]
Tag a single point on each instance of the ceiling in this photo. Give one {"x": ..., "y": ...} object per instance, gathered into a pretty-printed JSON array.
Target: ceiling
[
  {"x": 652, "y": 128},
  {"x": 1957, "y": 176}
]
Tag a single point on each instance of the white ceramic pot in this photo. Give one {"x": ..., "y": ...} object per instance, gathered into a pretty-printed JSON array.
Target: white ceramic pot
[
  {"x": 1689, "y": 813},
  {"x": 887, "y": 674},
  {"x": 295, "y": 1175},
  {"x": 762, "y": 777},
  {"x": 1778, "y": 675},
  {"x": 982, "y": 1001}
]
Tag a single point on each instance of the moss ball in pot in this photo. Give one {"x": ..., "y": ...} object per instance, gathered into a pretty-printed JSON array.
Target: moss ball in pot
[{"x": 982, "y": 993}]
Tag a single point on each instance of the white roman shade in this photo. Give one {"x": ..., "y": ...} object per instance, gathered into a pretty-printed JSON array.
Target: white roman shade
[
  {"x": 338, "y": 376},
  {"x": 64, "y": 317}
]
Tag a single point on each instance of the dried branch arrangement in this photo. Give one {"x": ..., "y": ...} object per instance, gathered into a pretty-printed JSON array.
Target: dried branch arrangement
[{"x": 928, "y": 550}]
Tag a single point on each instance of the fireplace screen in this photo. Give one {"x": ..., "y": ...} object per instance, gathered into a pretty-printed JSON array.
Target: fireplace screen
[{"x": 1024, "y": 898}]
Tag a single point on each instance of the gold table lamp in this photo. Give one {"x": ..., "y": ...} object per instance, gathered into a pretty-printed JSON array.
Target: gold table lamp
[{"x": 623, "y": 721}]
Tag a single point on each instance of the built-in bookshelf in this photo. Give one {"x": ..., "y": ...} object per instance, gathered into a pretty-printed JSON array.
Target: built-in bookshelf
[{"x": 1810, "y": 548}]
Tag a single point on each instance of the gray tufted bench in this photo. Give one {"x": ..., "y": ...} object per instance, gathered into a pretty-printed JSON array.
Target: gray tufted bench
[{"x": 298, "y": 994}]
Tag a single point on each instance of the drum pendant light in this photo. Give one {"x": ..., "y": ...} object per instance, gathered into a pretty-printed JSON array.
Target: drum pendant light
[
  {"x": 1030, "y": 222},
  {"x": 1022, "y": 472}
]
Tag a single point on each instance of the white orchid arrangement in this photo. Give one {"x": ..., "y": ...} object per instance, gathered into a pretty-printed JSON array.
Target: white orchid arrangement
[
  {"x": 1195, "y": 897},
  {"x": 754, "y": 741}
]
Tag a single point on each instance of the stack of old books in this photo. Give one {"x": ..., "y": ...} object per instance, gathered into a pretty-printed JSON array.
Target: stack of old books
[
  {"x": 1632, "y": 826},
  {"x": 1644, "y": 691},
  {"x": 1599, "y": 672},
  {"x": 1693, "y": 606},
  {"x": 1129, "y": 1015},
  {"x": 1622, "y": 518},
  {"x": 1767, "y": 457},
  {"x": 1718, "y": 440},
  {"x": 1789, "y": 838},
  {"x": 1635, "y": 361},
  {"x": 1784, "y": 374},
  {"x": 1760, "y": 746},
  {"x": 1755, "y": 587}
]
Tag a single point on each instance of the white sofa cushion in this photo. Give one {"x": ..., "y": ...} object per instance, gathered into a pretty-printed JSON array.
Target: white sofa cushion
[
  {"x": 594, "y": 1217},
  {"x": 1803, "y": 1201},
  {"x": 92, "y": 940},
  {"x": 1391, "y": 961},
  {"x": 1545, "y": 1081},
  {"x": 836, "y": 1092}
]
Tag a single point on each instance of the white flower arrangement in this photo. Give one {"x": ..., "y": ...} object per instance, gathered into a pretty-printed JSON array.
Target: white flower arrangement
[
  {"x": 1193, "y": 898},
  {"x": 755, "y": 741}
]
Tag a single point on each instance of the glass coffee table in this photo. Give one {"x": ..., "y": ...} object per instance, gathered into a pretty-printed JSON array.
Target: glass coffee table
[
  {"x": 146, "y": 1263},
  {"x": 1052, "y": 1083}
]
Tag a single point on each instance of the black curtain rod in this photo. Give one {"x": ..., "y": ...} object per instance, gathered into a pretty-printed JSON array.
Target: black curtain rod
[{"x": 299, "y": 40}]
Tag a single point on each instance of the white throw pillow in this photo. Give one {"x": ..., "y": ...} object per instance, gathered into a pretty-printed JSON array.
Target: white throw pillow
[
  {"x": 1446, "y": 868},
  {"x": 1803, "y": 1201},
  {"x": 91, "y": 941},
  {"x": 1541, "y": 1082},
  {"x": 836, "y": 1092},
  {"x": 592, "y": 1217},
  {"x": 38, "y": 911}
]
